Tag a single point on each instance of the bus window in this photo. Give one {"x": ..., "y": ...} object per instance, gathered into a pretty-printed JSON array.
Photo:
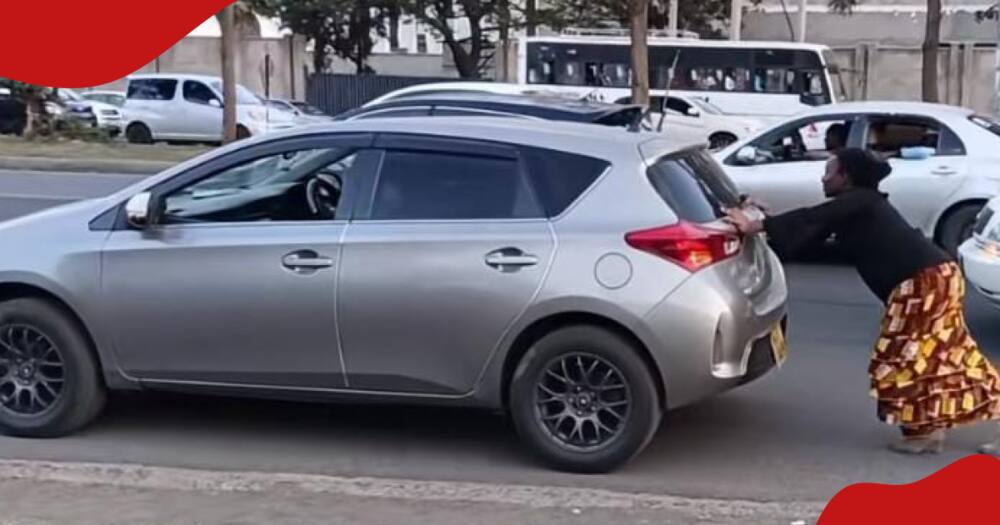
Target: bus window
[{"x": 570, "y": 73}]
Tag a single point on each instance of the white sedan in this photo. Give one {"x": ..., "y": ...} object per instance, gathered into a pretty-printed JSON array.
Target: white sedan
[
  {"x": 980, "y": 255},
  {"x": 687, "y": 117},
  {"x": 944, "y": 161}
]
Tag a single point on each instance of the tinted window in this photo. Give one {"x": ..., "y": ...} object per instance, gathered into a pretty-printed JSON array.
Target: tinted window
[
  {"x": 694, "y": 186},
  {"x": 560, "y": 178},
  {"x": 426, "y": 185},
  {"x": 292, "y": 186},
  {"x": 198, "y": 93},
  {"x": 152, "y": 89}
]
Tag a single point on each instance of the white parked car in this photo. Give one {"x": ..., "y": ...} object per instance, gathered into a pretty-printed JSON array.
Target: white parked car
[
  {"x": 699, "y": 115},
  {"x": 980, "y": 255},
  {"x": 115, "y": 98},
  {"x": 180, "y": 107},
  {"x": 944, "y": 161},
  {"x": 689, "y": 116},
  {"x": 93, "y": 112}
]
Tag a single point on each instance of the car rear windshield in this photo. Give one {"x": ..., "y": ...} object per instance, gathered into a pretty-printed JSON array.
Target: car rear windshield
[
  {"x": 621, "y": 118},
  {"x": 988, "y": 123},
  {"x": 694, "y": 186}
]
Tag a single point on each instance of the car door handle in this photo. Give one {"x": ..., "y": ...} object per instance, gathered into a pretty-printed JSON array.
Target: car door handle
[
  {"x": 944, "y": 170},
  {"x": 306, "y": 260},
  {"x": 510, "y": 258}
]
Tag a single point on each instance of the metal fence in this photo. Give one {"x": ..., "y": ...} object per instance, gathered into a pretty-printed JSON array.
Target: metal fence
[{"x": 336, "y": 93}]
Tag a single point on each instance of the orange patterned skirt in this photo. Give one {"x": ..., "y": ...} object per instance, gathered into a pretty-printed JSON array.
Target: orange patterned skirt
[{"x": 927, "y": 372}]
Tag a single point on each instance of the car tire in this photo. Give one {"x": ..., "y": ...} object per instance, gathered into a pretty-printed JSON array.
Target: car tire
[
  {"x": 138, "y": 133},
  {"x": 549, "y": 425},
  {"x": 242, "y": 132},
  {"x": 720, "y": 140},
  {"x": 957, "y": 226},
  {"x": 40, "y": 343}
]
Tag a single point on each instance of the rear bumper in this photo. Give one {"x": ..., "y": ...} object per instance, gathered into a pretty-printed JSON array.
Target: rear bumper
[
  {"x": 981, "y": 264},
  {"x": 711, "y": 337}
]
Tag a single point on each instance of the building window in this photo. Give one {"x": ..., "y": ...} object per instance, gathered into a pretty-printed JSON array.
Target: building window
[{"x": 421, "y": 43}]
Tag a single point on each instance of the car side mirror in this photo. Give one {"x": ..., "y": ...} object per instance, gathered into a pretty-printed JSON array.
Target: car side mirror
[
  {"x": 747, "y": 155},
  {"x": 215, "y": 103},
  {"x": 693, "y": 112},
  {"x": 138, "y": 210}
]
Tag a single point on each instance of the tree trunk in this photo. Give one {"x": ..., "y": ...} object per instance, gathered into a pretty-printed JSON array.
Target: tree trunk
[
  {"x": 227, "y": 25},
  {"x": 932, "y": 40},
  {"x": 319, "y": 55},
  {"x": 34, "y": 109},
  {"x": 394, "y": 15},
  {"x": 530, "y": 13},
  {"x": 639, "y": 26}
]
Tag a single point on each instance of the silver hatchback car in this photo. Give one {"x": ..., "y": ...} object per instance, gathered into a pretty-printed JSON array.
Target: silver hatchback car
[{"x": 577, "y": 277}]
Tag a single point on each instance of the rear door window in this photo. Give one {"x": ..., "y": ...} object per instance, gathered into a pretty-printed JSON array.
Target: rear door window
[
  {"x": 152, "y": 89},
  {"x": 432, "y": 185},
  {"x": 694, "y": 186},
  {"x": 560, "y": 178}
]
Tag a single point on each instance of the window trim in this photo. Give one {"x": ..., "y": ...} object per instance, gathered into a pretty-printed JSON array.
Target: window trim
[
  {"x": 158, "y": 191},
  {"x": 387, "y": 142}
]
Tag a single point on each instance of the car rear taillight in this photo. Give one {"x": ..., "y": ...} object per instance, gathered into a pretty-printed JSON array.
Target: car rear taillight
[{"x": 692, "y": 246}]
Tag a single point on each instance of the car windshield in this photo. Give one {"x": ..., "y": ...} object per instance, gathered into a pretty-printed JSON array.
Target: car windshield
[
  {"x": 244, "y": 96},
  {"x": 279, "y": 105},
  {"x": 69, "y": 94},
  {"x": 988, "y": 123},
  {"x": 705, "y": 106}
]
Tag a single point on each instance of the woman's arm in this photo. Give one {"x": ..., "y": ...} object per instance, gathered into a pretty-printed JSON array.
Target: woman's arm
[{"x": 797, "y": 231}]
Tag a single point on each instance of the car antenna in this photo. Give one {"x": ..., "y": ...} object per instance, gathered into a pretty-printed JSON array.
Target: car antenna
[{"x": 666, "y": 92}]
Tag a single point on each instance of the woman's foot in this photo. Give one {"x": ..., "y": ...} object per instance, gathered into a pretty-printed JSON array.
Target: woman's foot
[{"x": 932, "y": 443}]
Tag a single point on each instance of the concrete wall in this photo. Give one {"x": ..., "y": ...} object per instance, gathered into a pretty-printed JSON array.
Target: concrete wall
[
  {"x": 202, "y": 55},
  {"x": 400, "y": 64},
  {"x": 889, "y": 28},
  {"x": 966, "y": 73}
]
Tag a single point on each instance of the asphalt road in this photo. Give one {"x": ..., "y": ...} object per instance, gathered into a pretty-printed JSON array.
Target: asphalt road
[{"x": 799, "y": 434}]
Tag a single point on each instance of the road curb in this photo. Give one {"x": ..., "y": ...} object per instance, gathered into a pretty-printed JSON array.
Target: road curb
[
  {"x": 532, "y": 496},
  {"x": 116, "y": 166}
]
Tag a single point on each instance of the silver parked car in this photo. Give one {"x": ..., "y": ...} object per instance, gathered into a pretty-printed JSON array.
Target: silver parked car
[{"x": 581, "y": 281}]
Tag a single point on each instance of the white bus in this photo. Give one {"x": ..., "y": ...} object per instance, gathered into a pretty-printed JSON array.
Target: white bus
[{"x": 760, "y": 79}]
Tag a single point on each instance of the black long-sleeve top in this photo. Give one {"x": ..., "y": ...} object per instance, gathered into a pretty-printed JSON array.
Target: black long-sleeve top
[{"x": 877, "y": 240}]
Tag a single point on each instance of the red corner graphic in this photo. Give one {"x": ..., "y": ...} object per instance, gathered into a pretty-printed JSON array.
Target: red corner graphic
[
  {"x": 74, "y": 43},
  {"x": 961, "y": 493}
]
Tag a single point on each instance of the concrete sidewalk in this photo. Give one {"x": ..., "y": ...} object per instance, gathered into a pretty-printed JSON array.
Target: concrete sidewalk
[{"x": 41, "y": 493}]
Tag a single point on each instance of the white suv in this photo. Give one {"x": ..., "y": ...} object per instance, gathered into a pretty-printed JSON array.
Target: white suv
[{"x": 189, "y": 108}]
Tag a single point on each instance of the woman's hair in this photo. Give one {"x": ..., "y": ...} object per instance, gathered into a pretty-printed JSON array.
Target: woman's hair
[{"x": 864, "y": 168}]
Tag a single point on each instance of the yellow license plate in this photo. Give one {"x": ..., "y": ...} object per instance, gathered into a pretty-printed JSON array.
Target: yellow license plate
[{"x": 778, "y": 344}]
